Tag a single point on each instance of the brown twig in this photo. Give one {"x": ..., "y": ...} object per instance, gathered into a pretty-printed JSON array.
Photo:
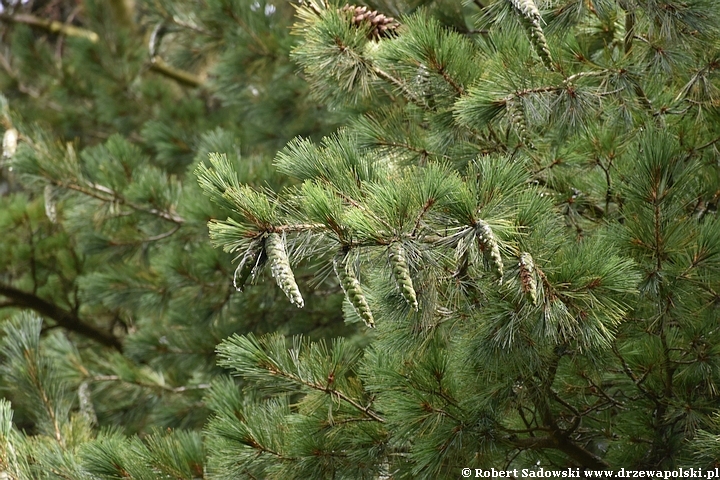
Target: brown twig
[
  {"x": 167, "y": 388},
  {"x": 159, "y": 65},
  {"x": 62, "y": 317},
  {"x": 331, "y": 391},
  {"x": 51, "y": 26},
  {"x": 98, "y": 191}
]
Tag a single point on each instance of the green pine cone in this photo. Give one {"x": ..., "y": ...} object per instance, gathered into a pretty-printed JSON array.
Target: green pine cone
[
  {"x": 351, "y": 286},
  {"x": 517, "y": 118},
  {"x": 401, "y": 272},
  {"x": 527, "y": 276},
  {"x": 527, "y": 8},
  {"x": 247, "y": 265},
  {"x": 490, "y": 248},
  {"x": 50, "y": 203},
  {"x": 280, "y": 268},
  {"x": 530, "y": 16}
]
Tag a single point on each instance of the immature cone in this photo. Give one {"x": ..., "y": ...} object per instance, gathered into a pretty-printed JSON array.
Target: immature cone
[
  {"x": 401, "y": 272},
  {"x": 527, "y": 276},
  {"x": 248, "y": 265},
  {"x": 421, "y": 81},
  {"x": 280, "y": 268},
  {"x": 50, "y": 205},
  {"x": 530, "y": 16},
  {"x": 380, "y": 25},
  {"x": 351, "y": 287},
  {"x": 9, "y": 143},
  {"x": 489, "y": 246},
  {"x": 517, "y": 118}
]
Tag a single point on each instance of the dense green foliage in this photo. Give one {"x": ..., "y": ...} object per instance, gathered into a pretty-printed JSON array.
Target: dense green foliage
[
  {"x": 104, "y": 233},
  {"x": 484, "y": 236}
]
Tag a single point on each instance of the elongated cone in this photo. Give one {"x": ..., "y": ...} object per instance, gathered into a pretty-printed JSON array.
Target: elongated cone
[
  {"x": 351, "y": 286},
  {"x": 530, "y": 16},
  {"x": 247, "y": 265},
  {"x": 489, "y": 246},
  {"x": 50, "y": 204},
  {"x": 401, "y": 272},
  {"x": 280, "y": 268},
  {"x": 517, "y": 118},
  {"x": 9, "y": 143},
  {"x": 527, "y": 276}
]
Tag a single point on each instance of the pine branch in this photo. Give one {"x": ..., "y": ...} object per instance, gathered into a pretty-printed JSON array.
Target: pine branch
[
  {"x": 251, "y": 442},
  {"x": 297, "y": 227},
  {"x": 32, "y": 372},
  {"x": 456, "y": 86},
  {"x": 601, "y": 391},
  {"x": 708, "y": 144},
  {"x": 66, "y": 319},
  {"x": 189, "y": 26},
  {"x": 327, "y": 389},
  {"x": 567, "y": 82},
  {"x": 166, "y": 388},
  {"x": 153, "y": 238},
  {"x": 578, "y": 453},
  {"x": 584, "y": 457},
  {"x": 424, "y": 153},
  {"x": 99, "y": 191},
  {"x": 637, "y": 381},
  {"x": 159, "y": 65},
  {"x": 532, "y": 443},
  {"x": 51, "y": 26},
  {"x": 400, "y": 86},
  {"x": 428, "y": 204},
  {"x": 558, "y": 438}
]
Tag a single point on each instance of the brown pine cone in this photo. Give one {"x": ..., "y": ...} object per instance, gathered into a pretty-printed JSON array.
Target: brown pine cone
[{"x": 380, "y": 25}]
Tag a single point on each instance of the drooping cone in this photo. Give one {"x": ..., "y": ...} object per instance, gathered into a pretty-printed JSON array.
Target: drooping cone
[
  {"x": 253, "y": 258},
  {"x": 527, "y": 276},
  {"x": 401, "y": 272},
  {"x": 517, "y": 119},
  {"x": 50, "y": 194},
  {"x": 351, "y": 286},
  {"x": 280, "y": 268},
  {"x": 380, "y": 25},
  {"x": 489, "y": 246},
  {"x": 9, "y": 143},
  {"x": 530, "y": 18}
]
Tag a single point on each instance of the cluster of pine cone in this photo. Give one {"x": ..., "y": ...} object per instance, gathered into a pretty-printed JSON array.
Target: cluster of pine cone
[{"x": 380, "y": 25}]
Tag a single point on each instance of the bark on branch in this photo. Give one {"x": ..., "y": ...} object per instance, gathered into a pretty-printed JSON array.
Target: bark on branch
[
  {"x": 565, "y": 445},
  {"x": 62, "y": 317},
  {"x": 157, "y": 64},
  {"x": 51, "y": 26}
]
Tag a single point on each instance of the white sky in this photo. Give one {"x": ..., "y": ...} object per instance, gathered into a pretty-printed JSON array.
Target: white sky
[{"x": 11, "y": 1}]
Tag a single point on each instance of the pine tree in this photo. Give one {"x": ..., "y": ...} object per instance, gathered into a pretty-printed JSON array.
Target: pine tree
[
  {"x": 519, "y": 197},
  {"x": 106, "y": 110},
  {"x": 530, "y": 216}
]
